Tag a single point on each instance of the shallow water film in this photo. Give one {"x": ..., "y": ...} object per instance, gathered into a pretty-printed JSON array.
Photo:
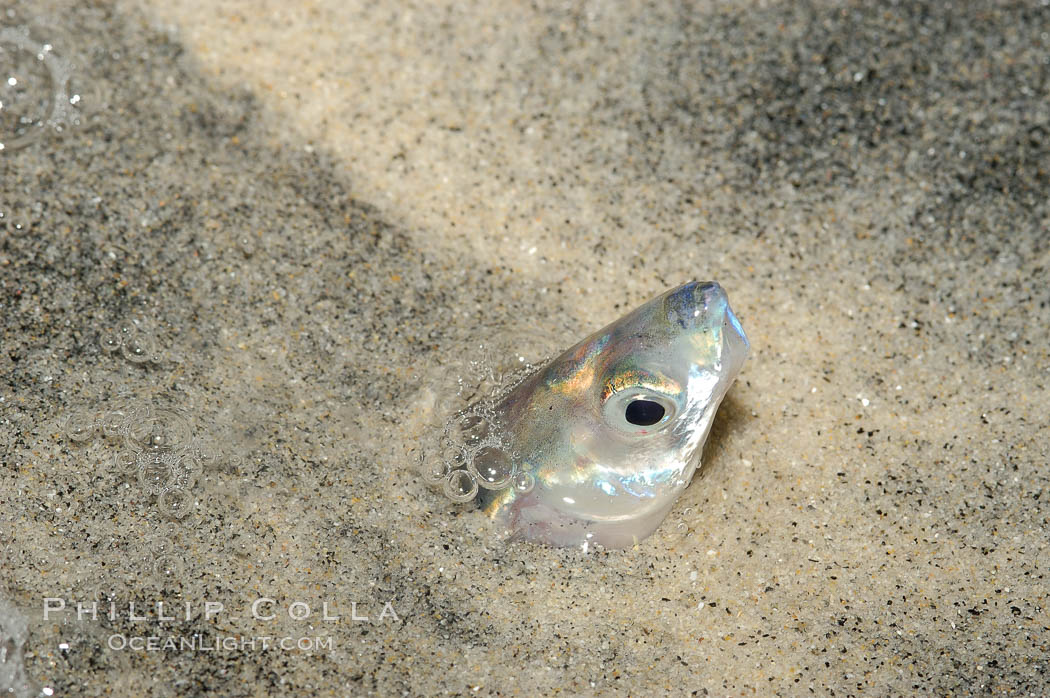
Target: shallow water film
[{"x": 253, "y": 257}]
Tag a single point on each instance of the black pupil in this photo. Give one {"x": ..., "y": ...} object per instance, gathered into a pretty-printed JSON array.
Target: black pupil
[{"x": 644, "y": 413}]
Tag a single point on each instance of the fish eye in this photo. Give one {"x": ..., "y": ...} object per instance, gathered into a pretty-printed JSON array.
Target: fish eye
[
  {"x": 644, "y": 413},
  {"x": 639, "y": 411}
]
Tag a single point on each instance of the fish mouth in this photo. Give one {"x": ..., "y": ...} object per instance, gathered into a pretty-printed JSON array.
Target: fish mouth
[
  {"x": 700, "y": 303},
  {"x": 697, "y": 304},
  {"x": 735, "y": 344},
  {"x": 734, "y": 335},
  {"x": 702, "y": 306}
]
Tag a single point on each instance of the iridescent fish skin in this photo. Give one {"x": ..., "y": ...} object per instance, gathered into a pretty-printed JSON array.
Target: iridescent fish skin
[{"x": 604, "y": 471}]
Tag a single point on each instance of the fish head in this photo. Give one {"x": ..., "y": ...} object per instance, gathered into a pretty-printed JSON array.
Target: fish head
[{"x": 611, "y": 431}]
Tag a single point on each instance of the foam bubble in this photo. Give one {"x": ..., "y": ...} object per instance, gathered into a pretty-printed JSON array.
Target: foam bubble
[
  {"x": 453, "y": 453},
  {"x": 80, "y": 426},
  {"x": 13, "y": 226},
  {"x": 126, "y": 331},
  {"x": 34, "y": 90},
  {"x": 168, "y": 566},
  {"x": 138, "y": 349},
  {"x": 175, "y": 502},
  {"x": 187, "y": 473},
  {"x": 460, "y": 486},
  {"x": 207, "y": 454},
  {"x": 125, "y": 462},
  {"x": 161, "y": 428},
  {"x": 524, "y": 482},
  {"x": 114, "y": 424},
  {"x": 435, "y": 470},
  {"x": 492, "y": 466},
  {"x": 193, "y": 466},
  {"x": 157, "y": 439},
  {"x": 138, "y": 427},
  {"x": 156, "y": 472},
  {"x": 110, "y": 341}
]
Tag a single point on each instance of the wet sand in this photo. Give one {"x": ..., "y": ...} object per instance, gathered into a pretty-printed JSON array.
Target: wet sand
[{"x": 316, "y": 212}]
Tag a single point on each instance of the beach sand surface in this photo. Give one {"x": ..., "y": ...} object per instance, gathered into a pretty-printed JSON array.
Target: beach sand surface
[{"x": 316, "y": 212}]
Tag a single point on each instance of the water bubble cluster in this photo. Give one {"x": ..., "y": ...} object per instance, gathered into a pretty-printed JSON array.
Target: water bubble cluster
[
  {"x": 473, "y": 450},
  {"x": 34, "y": 90},
  {"x": 154, "y": 446},
  {"x": 134, "y": 345}
]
